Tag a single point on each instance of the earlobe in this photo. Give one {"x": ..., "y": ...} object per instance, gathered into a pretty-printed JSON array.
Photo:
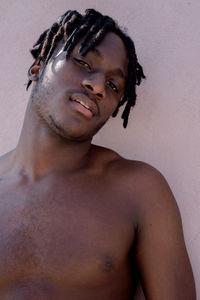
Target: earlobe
[{"x": 33, "y": 72}]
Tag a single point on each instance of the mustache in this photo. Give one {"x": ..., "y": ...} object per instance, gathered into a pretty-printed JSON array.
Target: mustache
[{"x": 87, "y": 94}]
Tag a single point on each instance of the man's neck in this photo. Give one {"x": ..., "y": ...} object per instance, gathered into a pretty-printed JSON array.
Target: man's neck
[{"x": 40, "y": 151}]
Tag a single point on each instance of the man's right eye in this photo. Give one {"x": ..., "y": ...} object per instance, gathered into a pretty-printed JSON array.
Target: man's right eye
[{"x": 82, "y": 62}]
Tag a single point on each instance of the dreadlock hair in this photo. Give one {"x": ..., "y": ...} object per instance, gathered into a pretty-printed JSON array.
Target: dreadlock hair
[{"x": 93, "y": 26}]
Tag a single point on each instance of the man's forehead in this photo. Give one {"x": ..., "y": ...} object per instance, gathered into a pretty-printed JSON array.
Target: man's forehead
[
  {"x": 110, "y": 48},
  {"x": 113, "y": 50},
  {"x": 99, "y": 54},
  {"x": 112, "y": 42}
]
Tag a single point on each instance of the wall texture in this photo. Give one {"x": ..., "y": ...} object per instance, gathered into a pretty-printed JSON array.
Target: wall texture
[{"x": 164, "y": 126}]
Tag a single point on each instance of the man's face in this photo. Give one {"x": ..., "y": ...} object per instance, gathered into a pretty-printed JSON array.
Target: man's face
[{"x": 77, "y": 96}]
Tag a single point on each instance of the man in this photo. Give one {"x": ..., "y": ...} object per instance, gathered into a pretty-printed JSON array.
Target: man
[{"x": 77, "y": 220}]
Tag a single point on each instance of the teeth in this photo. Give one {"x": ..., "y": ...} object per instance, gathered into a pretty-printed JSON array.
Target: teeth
[{"x": 79, "y": 101}]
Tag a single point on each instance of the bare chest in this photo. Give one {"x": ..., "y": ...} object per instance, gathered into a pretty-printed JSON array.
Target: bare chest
[{"x": 76, "y": 235}]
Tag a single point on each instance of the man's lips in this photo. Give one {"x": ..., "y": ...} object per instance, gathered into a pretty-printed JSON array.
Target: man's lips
[{"x": 84, "y": 104}]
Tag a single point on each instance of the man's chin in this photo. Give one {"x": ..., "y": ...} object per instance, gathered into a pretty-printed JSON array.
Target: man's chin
[
  {"x": 73, "y": 134},
  {"x": 74, "y": 131}
]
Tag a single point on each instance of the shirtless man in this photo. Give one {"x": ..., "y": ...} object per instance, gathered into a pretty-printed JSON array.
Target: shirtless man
[{"x": 77, "y": 220}]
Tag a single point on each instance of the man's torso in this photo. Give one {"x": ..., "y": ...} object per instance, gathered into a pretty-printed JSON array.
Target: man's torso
[{"x": 68, "y": 237}]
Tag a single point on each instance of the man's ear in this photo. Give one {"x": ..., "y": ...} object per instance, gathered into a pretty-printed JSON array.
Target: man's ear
[{"x": 33, "y": 72}]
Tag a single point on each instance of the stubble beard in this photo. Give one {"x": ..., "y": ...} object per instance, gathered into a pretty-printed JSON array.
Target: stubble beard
[{"x": 38, "y": 103}]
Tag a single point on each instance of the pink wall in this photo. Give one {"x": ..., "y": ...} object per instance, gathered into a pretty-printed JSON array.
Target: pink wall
[{"x": 164, "y": 126}]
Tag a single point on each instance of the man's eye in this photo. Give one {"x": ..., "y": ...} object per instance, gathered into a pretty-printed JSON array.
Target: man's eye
[
  {"x": 82, "y": 62},
  {"x": 113, "y": 86}
]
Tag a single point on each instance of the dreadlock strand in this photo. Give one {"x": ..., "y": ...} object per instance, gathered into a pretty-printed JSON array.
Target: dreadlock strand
[
  {"x": 74, "y": 39},
  {"x": 71, "y": 22},
  {"x": 139, "y": 74},
  {"x": 94, "y": 29},
  {"x": 125, "y": 114},
  {"x": 46, "y": 44},
  {"x": 75, "y": 29},
  {"x": 36, "y": 51},
  {"x": 54, "y": 43},
  {"x": 69, "y": 43},
  {"x": 55, "y": 27},
  {"x": 99, "y": 36},
  {"x": 48, "y": 40},
  {"x": 77, "y": 34},
  {"x": 114, "y": 114},
  {"x": 66, "y": 17},
  {"x": 95, "y": 21},
  {"x": 41, "y": 38},
  {"x": 28, "y": 84}
]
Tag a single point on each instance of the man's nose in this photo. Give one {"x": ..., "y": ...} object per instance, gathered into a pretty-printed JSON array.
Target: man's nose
[{"x": 95, "y": 86}]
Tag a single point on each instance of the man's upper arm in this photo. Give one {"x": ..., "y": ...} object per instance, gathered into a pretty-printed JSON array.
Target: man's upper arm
[{"x": 160, "y": 252}]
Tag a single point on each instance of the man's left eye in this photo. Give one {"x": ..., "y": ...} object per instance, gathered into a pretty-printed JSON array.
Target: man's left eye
[
  {"x": 82, "y": 62},
  {"x": 113, "y": 86}
]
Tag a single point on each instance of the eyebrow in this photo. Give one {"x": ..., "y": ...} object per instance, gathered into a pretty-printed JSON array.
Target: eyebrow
[{"x": 118, "y": 71}]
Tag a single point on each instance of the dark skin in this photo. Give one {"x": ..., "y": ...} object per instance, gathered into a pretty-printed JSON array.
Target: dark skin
[{"x": 77, "y": 220}]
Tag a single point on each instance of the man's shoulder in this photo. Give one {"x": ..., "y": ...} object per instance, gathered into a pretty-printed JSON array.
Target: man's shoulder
[
  {"x": 139, "y": 181},
  {"x": 142, "y": 176},
  {"x": 128, "y": 169},
  {"x": 147, "y": 190}
]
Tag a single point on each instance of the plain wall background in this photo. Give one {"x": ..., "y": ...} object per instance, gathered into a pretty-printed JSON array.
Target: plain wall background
[{"x": 164, "y": 126}]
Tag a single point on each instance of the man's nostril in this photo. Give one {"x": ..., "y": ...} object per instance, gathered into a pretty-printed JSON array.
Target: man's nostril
[
  {"x": 89, "y": 87},
  {"x": 93, "y": 89},
  {"x": 99, "y": 95}
]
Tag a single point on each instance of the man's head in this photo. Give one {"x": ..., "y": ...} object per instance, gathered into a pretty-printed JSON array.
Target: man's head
[{"x": 74, "y": 37}]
